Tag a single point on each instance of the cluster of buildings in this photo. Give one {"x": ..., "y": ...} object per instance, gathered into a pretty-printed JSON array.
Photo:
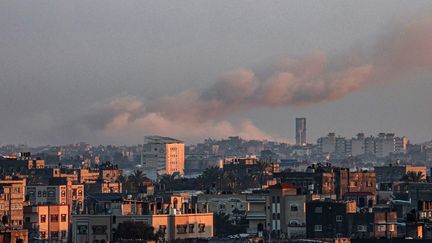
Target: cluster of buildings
[
  {"x": 337, "y": 190},
  {"x": 65, "y": 203},
  {"x": 381, "y": 146},
  {"x": 326, "y": 203}
]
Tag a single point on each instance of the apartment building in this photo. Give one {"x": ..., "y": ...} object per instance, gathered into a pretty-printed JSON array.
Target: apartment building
[
  {"x": 285, "y": 214},
  {"x": 12, "y": 200},
  {"x": 162, "y": 155},
  {"x": 59, "y": 192},
  {"x": 48, "y": 222},
  {"x": 175, "y": 216}
]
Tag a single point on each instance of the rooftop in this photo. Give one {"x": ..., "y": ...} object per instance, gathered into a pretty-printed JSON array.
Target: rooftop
[{"x": 160, "y": 139}]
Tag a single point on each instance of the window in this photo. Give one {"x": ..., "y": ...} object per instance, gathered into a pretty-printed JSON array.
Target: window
[
  {"x": 43, "y": 234},
  {"x": 162, "y": 228},
  {"x": 63, "y": 234},
  {"x": 99, "y": 229},
  {"x": 381, "y": 228},
  {"x": 43, "y": 218},
  {"x": 294, "y": 208},
  {"x": 391, "y": 227},
  {"x": 318, "y": 210},
  {"x": 294, "y": 223},
  {"x": 74, "y": 192},
  {"x": 27, "y": 219},
  {"x": 39, "y": 193},
  {"x": 51, "y": 194},
  {"x": 54, "y": 234},
  {"x": 54, "y": 217},
  {"x": 63, "y": 193},
  {"x": 82, "y": 229},
  {"x": 44, "y": 194},
  {"x": 181, "y": 228},
  {"x": 361, "y": 228},
  {"x": 339, "y": 218},
  {"x": 191, "y": 228},
  {"x": 318, "y": 228},
  {"x": 63, "y": 217},
  {"x": 79, "y": 192},
  {"x": 201, "y": 228}
]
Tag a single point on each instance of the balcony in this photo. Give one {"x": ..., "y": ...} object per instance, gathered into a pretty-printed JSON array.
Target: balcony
[
  {"x": 255, "y": 215},
  {"x": 256, "y": 198}
]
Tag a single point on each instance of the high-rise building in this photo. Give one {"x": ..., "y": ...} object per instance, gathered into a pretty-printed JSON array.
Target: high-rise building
[
  {"x": 300, "y": 131},
  {"x": 358, "y": 145},
  {"x": 163, "y": 155},
  {"x": 327, "y": 145}
]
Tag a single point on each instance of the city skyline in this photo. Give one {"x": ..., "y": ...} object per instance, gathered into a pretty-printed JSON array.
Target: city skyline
[
  {"x": 215, "y": 121},
  {"x": 94, "y": 76}
]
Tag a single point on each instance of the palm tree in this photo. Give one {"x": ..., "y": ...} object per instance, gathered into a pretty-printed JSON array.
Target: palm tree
[
  {"x": 228, "y": 181},
  {"x": 413, "y": 176},
  {"x": 137, "y": 178},
  {"x": 125, "y": 182},
  {"x": 168, "y": 180},
  {"x": 212, "y": 177}
]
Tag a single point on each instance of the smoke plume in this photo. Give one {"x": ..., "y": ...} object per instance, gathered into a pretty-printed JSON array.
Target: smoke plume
[{"x": 292, "y": 82}]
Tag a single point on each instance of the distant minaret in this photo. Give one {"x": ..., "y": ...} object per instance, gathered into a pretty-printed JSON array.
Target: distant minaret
[{"x": 300, "y": 131}]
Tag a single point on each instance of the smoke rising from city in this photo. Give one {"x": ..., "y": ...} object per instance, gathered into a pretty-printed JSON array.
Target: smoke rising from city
[{"x": 291, "y": 82}]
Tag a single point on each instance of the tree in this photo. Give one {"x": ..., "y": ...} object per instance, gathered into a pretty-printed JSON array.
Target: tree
[
  {"x": 127, "y": 187},
  {"x": 211, "y": 178},
  {"x": 168, "y": 181},
  {"x": 135, "y": 231},
  {"x": 263, "y": 168},
  {"x": 223, "y": 226},
  {"x": 136, "y": 179},
  {"x": 413, "y": 176}
]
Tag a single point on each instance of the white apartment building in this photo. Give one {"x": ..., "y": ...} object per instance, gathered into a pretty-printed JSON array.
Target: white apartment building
[
  {"x": 381, "y": 146},
  {"x": 162, "y": 155}
]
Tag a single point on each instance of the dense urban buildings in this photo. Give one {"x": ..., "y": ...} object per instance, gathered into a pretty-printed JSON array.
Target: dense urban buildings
[{"x": 366, "y": 187}]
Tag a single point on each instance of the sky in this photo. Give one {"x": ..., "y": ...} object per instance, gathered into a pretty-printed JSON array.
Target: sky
[{"x": 111, "y": 72}]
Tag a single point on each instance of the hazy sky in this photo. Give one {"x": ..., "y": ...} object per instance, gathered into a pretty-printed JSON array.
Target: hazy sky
[{"x": 95, "y": 71}]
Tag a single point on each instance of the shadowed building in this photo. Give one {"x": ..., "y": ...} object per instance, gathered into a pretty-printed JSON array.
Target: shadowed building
[{"x": 301, "y": 131}]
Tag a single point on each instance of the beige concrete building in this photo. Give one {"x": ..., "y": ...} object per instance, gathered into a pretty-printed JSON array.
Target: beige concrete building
[
  {"x": 47, "y": 222},
  {"x": 287, "y": 214},
  {"x": 233, "y": 205},
  {"x": 12, "y": 201},
  {"x": 13, "y": 236},
  {"x": 256, "y": 212},
  {"x": 62, "y": 194},
  {"x": 99, "y": 228}
]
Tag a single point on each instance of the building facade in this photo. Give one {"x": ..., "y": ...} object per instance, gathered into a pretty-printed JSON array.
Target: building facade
[
  {"x": 162, "y": 155},
  {"x": 301, "y": 131}
]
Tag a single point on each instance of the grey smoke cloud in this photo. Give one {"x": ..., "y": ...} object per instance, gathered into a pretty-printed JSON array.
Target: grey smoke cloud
[{"x": 291, "y": 82}]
